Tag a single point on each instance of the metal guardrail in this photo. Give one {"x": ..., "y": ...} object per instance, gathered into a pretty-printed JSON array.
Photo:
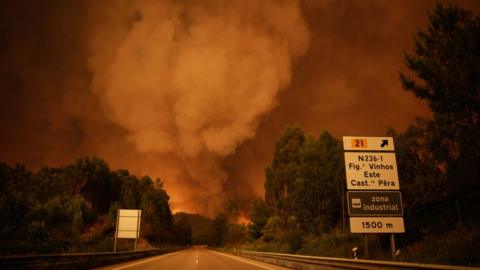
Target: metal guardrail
[
  {"x": 313, "y": 262},
  {"x": 76, "y": 260}
]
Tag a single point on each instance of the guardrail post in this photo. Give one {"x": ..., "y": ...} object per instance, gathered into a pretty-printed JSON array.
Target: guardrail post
[
  {"x": 392, "y": 245},
  {"x": 365, "y": 245}
]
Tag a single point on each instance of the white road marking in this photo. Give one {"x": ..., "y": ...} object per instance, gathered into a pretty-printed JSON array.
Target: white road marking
[
  {"x": 149, "y": 260},
  {"x": 242, "y": 260}
]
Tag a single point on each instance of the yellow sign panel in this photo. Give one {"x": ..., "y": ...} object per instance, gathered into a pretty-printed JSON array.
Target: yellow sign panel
[
  {"x": 358, "y": 143},
  {"x": 377, "y": 225},
  {"x": 371, "y": 171}
]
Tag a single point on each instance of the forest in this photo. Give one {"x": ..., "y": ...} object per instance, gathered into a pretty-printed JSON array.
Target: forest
[
  {"x": 303, "y": 210},
  {"x": 74, "y": 208}
]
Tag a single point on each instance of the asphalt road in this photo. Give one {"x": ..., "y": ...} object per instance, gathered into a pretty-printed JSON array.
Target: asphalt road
[{"x": 197, "y": 258}]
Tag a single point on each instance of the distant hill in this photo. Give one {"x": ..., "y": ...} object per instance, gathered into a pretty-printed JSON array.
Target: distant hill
[{"x": 199, "y": 224}]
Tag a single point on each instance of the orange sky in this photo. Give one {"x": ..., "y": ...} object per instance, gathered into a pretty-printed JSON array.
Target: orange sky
[{"x": 196, "y": 93}]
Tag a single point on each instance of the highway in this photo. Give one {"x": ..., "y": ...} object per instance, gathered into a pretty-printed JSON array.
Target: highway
[{"x": 195, "y": 258}]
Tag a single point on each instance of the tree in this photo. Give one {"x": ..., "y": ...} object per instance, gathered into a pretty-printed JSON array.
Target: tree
[
  {"x": 65, "y": 208},
  {"x": 424, "y": 187},
  {"x": 446, "y": 61},
  {"x": 258, "y": 218},
  {"x": 334, "y": 168},
  {"x": 305, "y": 182},
  {"x": 236, "y": 234},
  {"x": 218, "y": 230},
  {"x": 232, "y": 210},
  {"x": 155, "y": 210},
  {"x": 97, "y": 187},
  {"x": 306, "y": 197},
  {"x": 318, "y": 189},
  {"x": 183, "y": 231},
  {"x": 446, "y": 65},
  {"x": 285, "y": 169}
]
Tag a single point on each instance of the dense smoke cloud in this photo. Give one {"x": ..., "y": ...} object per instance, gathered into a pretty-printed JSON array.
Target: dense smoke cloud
[
  {"x": 192, "y": 80},
  {"x": 189, "y": 79},
  {"x": 347, "y": 83},
  {"x": 195, "y": 92}
]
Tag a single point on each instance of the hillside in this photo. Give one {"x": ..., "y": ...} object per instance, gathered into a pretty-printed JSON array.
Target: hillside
[{"x": 199, "y": 224}]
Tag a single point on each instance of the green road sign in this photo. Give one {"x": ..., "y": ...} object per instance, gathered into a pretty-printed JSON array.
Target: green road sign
[{"x": 374, "y": 203}]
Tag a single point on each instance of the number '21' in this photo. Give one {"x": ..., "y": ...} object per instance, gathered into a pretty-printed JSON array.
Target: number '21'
[{"x": 359, "y": 143}]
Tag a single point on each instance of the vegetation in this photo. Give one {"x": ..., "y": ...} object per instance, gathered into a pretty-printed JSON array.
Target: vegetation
[
  {"x": 73, "y": 208},
  {"x": 303, "y": 210},
  {"x": 446, "y": 65},
  {"x": 199, "y": 225},
  {"x": 217, "y": 232}
]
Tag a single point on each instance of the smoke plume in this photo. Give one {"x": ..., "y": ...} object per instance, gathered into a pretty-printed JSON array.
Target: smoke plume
[
  {"x": 196, "y": 92},
  {"x": 193, "y": 80}
]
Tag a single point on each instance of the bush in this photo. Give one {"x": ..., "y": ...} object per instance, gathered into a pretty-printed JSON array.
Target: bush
[
  {"x": 460, "y": 246},
  {"x": 337, "y": 243}
]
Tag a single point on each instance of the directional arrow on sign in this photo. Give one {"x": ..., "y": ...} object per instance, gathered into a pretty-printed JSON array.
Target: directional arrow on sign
[
  {"x": 384, "y": 143},
  {"x": 358, "y": 143}
]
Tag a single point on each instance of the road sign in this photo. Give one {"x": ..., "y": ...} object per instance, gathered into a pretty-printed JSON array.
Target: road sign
[
  {"x": 371, "y": 171},
  {"x": 370, "y": 164},
  {"x": 377, "y": 225},
  {"x": 128, "y": 223},
  {"x": 351, "y": 143},
  {"x": 374, "y": 203}
]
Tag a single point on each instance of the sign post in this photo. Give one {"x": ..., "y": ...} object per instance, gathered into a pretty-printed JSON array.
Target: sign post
[
  {"x": 374, "y": 200},
  {"x": 128, "y": 225}
]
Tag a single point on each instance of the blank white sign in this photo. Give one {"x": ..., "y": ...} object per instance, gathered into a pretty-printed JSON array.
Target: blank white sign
[
  {"x": 127, "y": 234},
  {"x": 128, "y": 223}
]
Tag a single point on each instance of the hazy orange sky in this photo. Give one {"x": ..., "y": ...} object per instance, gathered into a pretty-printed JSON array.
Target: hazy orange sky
[{"x": 195, "y": 92}]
